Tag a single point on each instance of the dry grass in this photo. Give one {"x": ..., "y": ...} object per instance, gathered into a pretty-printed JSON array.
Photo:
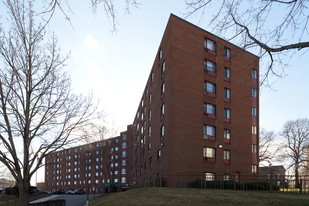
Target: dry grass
[{"x": 196, "y": 197}]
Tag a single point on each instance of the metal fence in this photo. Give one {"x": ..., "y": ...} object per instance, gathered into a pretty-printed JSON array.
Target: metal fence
[{"x": 272, "y": 183}]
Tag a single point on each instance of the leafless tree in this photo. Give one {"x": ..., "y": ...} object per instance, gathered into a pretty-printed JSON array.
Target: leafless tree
[
  {"x": 267, "y": 147},
  {"x": 38, "y": 112},
  {"x": 278, "y": 28},
  {"x": 110, "y": 8},
  {"x": 295, "y": 147}
]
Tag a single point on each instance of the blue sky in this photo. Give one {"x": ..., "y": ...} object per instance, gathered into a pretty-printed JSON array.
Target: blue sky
[{"x": 116, "y": 65}]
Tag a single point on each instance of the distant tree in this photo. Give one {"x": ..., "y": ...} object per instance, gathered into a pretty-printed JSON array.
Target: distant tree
[
  {"x": 295, "y": 135},
  {"x": 278, "y": 28},
  {"x": 39, "y": 114},
  {"x": 267, "y": 147}
]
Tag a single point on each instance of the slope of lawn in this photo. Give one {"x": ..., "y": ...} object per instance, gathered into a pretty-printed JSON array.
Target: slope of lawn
[{"x": 184, "y": 197}]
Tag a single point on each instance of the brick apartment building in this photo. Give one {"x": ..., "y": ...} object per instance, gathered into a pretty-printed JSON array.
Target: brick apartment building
[
  {"x": 91, "y": 167},
  {"x": 198, "y": 118}
]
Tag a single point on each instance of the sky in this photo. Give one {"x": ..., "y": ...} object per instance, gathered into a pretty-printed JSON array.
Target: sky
[{"x": 115, "y": 66}]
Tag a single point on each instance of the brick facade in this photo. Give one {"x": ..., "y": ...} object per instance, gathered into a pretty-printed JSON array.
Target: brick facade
[{"x": 198, "y": 117}]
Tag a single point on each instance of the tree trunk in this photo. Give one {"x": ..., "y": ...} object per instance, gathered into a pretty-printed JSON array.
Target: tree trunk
[
  {"x": 297, "y": 185},
  {"x": 23, "y": 189}
]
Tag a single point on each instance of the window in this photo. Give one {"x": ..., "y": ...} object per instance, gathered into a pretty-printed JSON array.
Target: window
[
  {"x": 149, "y": 131},
  {"x": 254, "y": 149},
  {"x": 209, "y": 131},
  {"x": 227, "y": 113},
  {"x": 124, "y": 145},
  {"x": 226, "y": 155},
  {"x": 227, "y": 52},
  {"x": 226, "y": 177},
  {"x": 254, "y": 74},
  {"x": 210, "y": 45},
  {"x": 123, "y": 171},
  {"x": 209, "y": 152},
  {"x": 209, "y": 87},
  {"x": 210, "y": 109},
  {"x": 162, "y": 89},
  {"x": 160, "y": 54},
  {"x": 209, "y": 176},
  {"x": 227, "y": 93},
  {"x": 254, "y": 92},
  {"x": 209, "y": 66},
  {"x": 254, "y": 111},
  {"x": 159, "y": 154},
  {"x": 163, "y": 68},
  {"x": 162, "y": 110},
  {"x": 149, "y": 115},
  {"x": 149, "y": 146},
  {"x": 227, "y": 73},
  {"x": 253, "y": 129},
  {"x": 227, "y": 134},
  {"x": 124, "y": 163},
  {"x": 162, "y": 131},
  {"x": 254, "y": 169},
  {"x": 124, "y": 153},
  {"x": 123, "y": 180}
]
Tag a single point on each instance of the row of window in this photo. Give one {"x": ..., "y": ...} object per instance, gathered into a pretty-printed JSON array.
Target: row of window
[
  {"x": 116, "y": 181},
  {"x": 211, "y": 68},
  {"x": 211, "y": 46},
  {"x": 209, "y": 152}
]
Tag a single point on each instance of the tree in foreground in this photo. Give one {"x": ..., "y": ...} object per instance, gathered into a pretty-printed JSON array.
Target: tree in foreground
[
  {"x": 278, "y": 28},
  {"x": 295, "y": 147},
  {"x": 38, "y": 112}
]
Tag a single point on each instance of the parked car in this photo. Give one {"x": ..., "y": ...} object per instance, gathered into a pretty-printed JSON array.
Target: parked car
[
  {"x": 79, "y": 192},
  {"x": 70, "y": 192}
]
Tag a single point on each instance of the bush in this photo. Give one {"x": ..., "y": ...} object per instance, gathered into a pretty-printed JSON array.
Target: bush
[
  {"x": 14, "y": 190},
  {"x": 260, "y": 186},
  {"x": 231, "y": 184}
]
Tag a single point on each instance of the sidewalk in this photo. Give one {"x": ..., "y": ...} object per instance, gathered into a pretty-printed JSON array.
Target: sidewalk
[{"x": 45, "y": 199}]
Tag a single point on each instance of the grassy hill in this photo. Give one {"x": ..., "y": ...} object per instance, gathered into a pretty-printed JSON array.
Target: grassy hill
[{"x": 186, "y": 197}]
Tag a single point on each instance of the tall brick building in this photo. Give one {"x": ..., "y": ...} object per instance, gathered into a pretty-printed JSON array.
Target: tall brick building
[{"x": 198, "y": 116}]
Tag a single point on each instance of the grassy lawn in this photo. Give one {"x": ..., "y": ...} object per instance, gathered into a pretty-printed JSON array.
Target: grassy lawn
[{"x": 184, "y": 197}]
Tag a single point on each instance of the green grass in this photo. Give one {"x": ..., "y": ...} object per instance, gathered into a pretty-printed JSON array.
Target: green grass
[{"x": 186, "y": 197}]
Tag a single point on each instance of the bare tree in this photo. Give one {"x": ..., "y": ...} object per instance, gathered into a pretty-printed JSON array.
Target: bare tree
[
  {"x": 38, "y": 112},
  {"x": 267, "y": 146},
  {"x": 110, "y": 9},
  {"x": 278, "y": 28},
  {"x": 295, "y": 147}
]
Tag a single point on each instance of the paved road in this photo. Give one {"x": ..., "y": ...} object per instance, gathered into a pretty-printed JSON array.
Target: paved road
[
  {"x": 71, "y": 200},
  {"x": 74, "y": 200}
]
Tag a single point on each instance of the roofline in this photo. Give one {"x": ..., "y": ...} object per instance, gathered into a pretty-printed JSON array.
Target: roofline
[{"x": 211, "y": 34}]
